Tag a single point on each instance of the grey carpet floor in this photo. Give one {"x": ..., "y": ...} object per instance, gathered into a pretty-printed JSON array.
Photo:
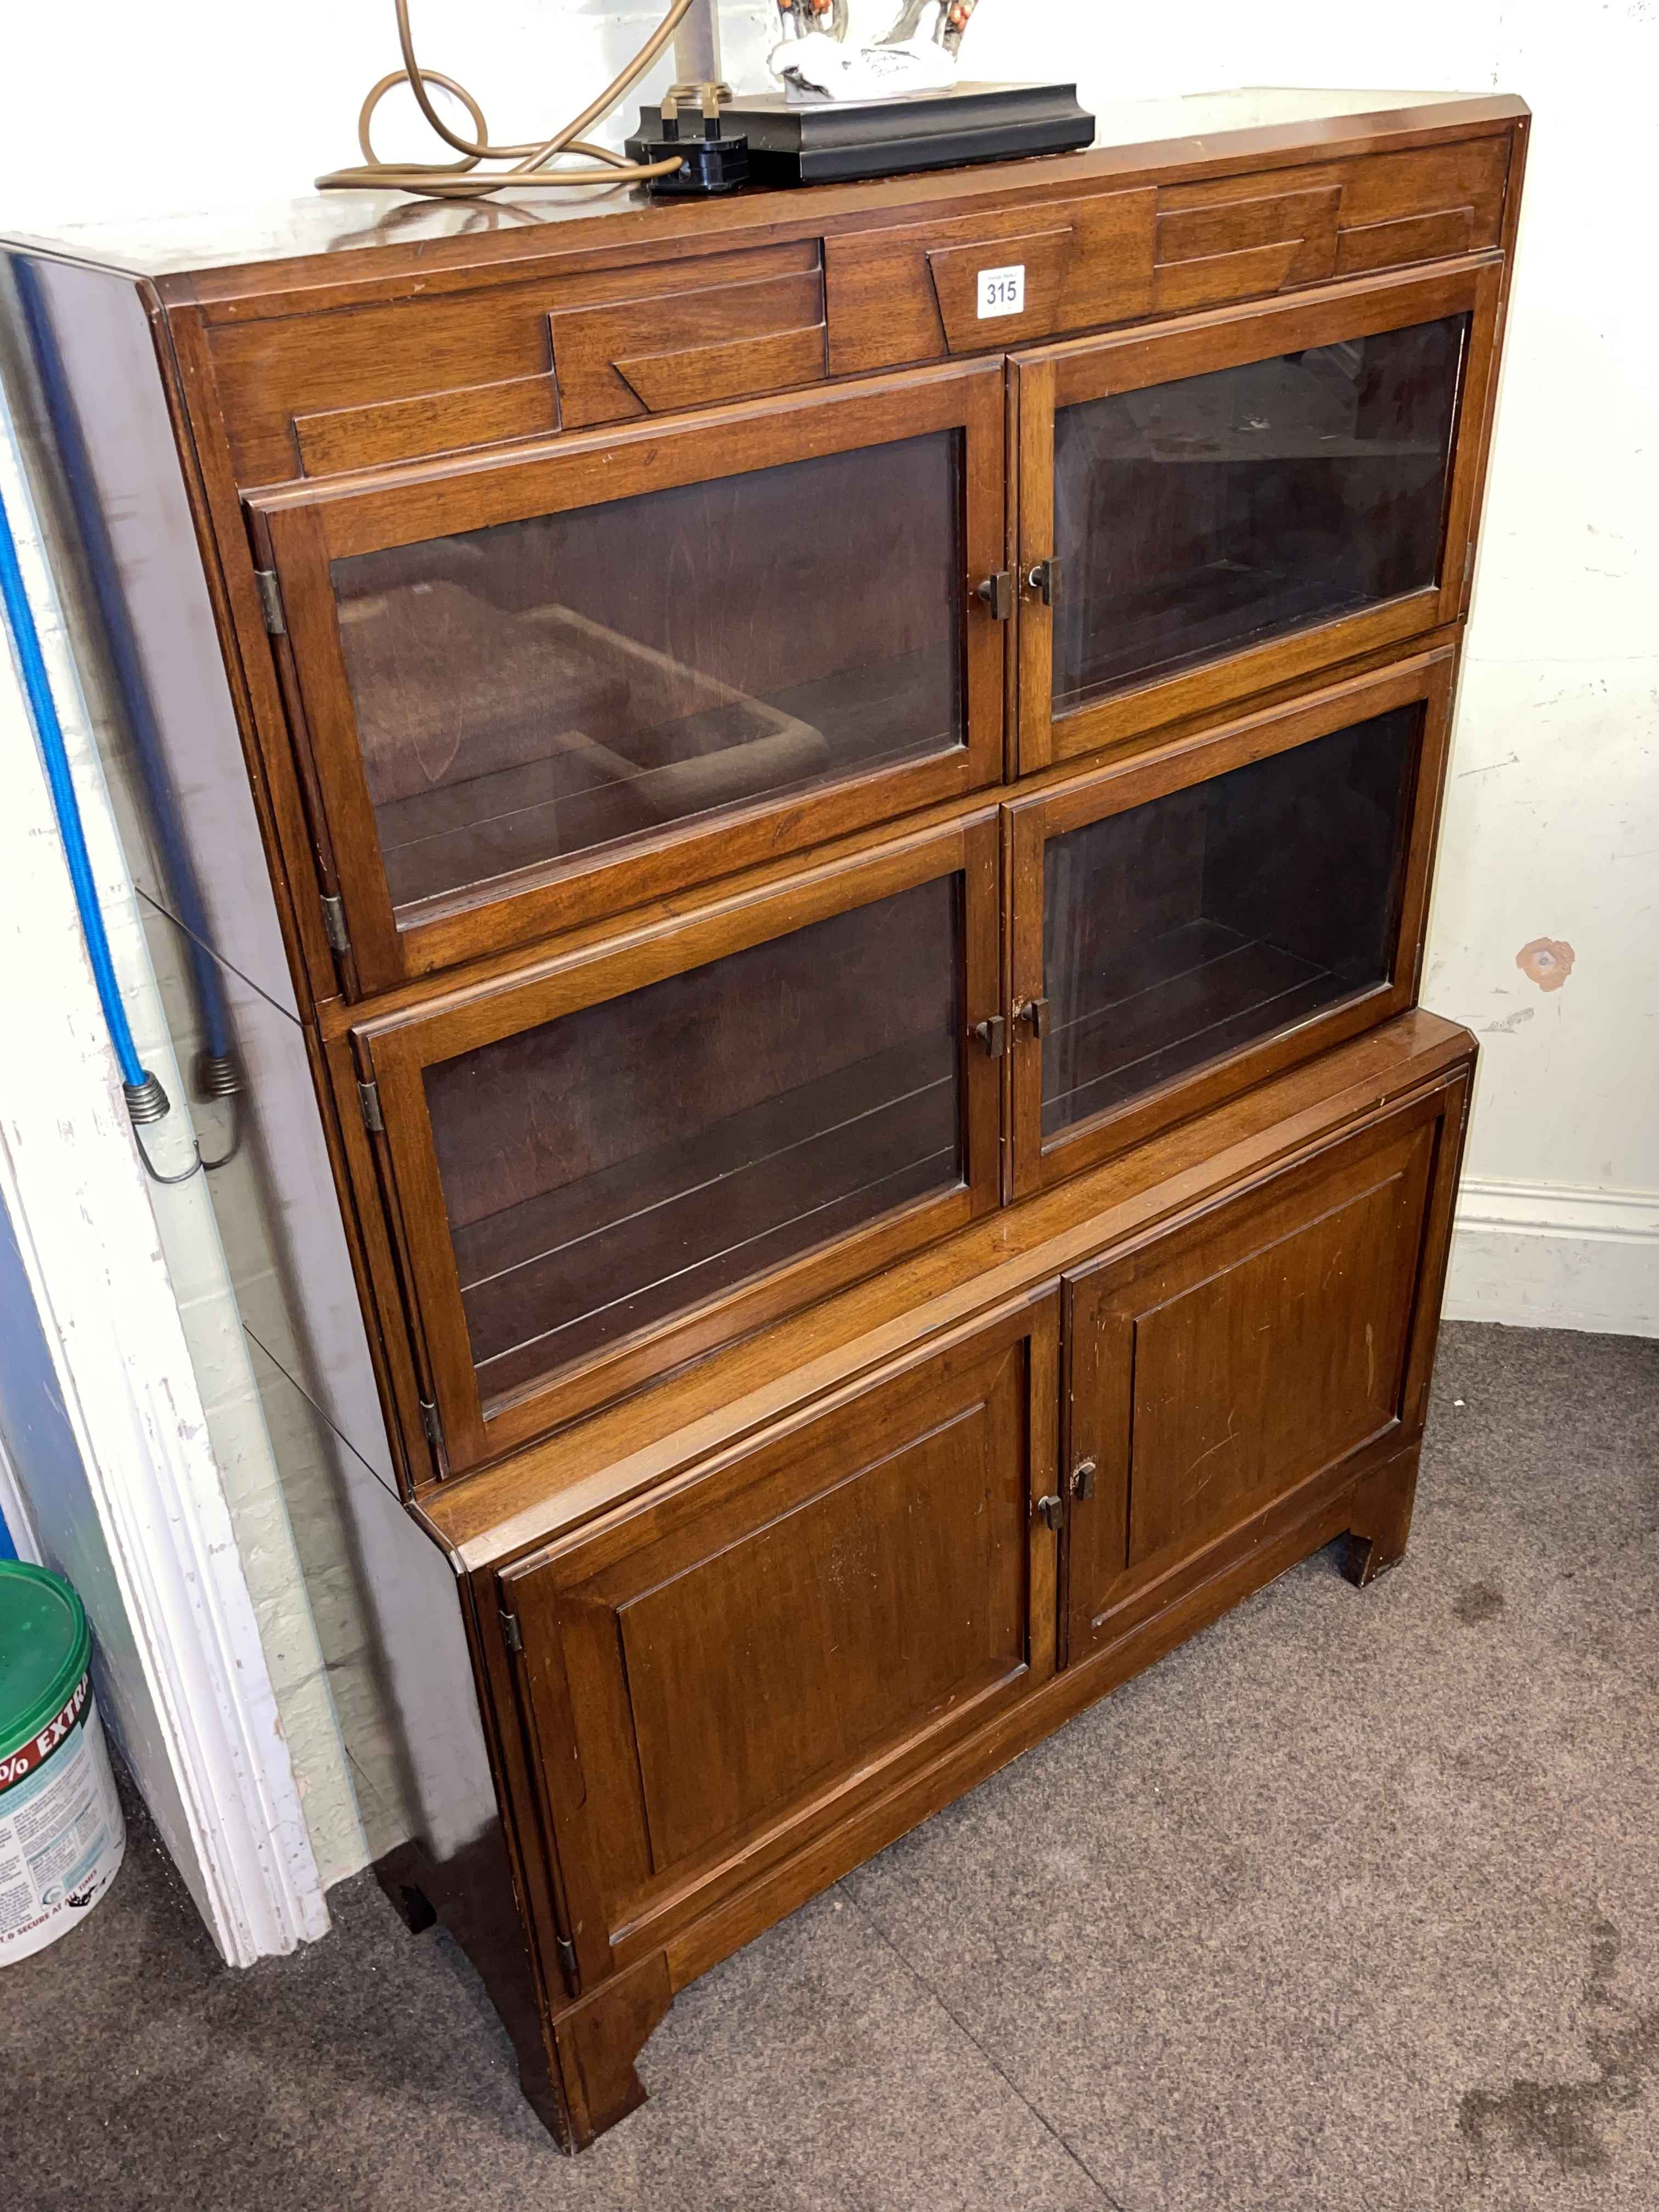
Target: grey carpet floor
[{"x": 1354, "y": 1902}]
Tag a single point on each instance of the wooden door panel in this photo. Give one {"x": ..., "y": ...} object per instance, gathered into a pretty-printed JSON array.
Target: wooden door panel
[
  {"x": 1231, "y": 1363},
  {"x": 891, "y": 1594},
  {"x": 1320, "y": 1307},
  {"x": 733, "y": 1661}
]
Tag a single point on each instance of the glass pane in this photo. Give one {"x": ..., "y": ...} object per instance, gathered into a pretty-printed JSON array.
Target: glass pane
[
  {"x": 1178, "y": 932},
  {"x": 607, "y": 1169},
  {"x": 538, "y": 689},
  {"x": 1199, "y": 518}
]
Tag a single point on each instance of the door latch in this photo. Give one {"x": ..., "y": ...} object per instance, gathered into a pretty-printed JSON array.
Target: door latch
[
  {"x": 997, "y": 593},
  {"x": 992, "y": 1033},
  {"x": 1042, "y": 578},
  {"x": 1033, "y": 1012},
  {"x": 1050, "y": 1511},
  {"x": 1083, "y": 1479}
]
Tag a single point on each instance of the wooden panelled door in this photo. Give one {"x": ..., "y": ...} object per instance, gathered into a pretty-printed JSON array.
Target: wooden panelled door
[
  {"x": 1243, "y": 498},
  {"x": 716, "y": 1677},
  {"x": 548, "y": 681},
  {"x": 1216, "y": 1372}
]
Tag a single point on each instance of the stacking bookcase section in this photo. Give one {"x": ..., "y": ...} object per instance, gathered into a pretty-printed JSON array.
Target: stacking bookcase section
[
  {"x": 548, "y": 682},
  {"x": 632, "y": 1150},
  {"x": 764, "y": 1628},
  {"x": 1194, "y": 919},
  {"x": 1244, "y": 499}
]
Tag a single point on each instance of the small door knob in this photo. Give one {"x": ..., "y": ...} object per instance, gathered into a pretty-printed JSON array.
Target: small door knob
[
  {"x": 1083, "y": 1479},
  {"x": 1048, "y": 1511},
  {"x": 1033, "y": 1012},
  {"x": 997, "y": 593}
]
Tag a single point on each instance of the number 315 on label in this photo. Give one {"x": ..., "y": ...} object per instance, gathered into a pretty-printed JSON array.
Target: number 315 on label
[{"x": 1002, "y": 291}]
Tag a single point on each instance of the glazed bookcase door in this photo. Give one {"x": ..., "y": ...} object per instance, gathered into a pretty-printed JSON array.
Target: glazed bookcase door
[
  {"x": 1191, "y": 919},
  {"x": 560, "y": 679},
  {"x": 1243, "y": 500},
  {"x": 737, "y": 1671},
  {"x": 602, "y": 1165},
  {"x": 1215, "y": 1377}
]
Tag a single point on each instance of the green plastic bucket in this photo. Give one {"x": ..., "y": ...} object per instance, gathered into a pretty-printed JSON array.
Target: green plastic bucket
[{"x": 61, "y": 1836}]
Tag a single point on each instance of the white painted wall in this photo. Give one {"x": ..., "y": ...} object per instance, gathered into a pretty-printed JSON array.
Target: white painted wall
[
  {"x": 127, "y": 1407},
  {"x": 103, "y": 1421}
]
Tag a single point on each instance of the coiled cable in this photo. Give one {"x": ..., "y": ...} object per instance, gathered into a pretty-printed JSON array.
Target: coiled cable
[{"x": 465, "y": 180}]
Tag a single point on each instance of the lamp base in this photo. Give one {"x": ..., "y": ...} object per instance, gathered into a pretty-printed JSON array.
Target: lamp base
[{"x": 832, "y": 141}]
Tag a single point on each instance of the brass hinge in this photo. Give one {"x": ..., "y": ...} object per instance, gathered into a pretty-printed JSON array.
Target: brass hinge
[
  {"x": 368, "y": 1097},
  {"x": 334, "y": 922},
  {"x": 271, "y": 599},
  {"x": 1468, "y": 560},
  {"x": 429, "y": 1422},
  {"x": 567, "y": 1951},
  {"x": 514, "y": 1637},
  {"x": 997, "y": 593}
]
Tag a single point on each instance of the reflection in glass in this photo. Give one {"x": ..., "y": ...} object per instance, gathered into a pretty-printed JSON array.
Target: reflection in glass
[
  {"x": 1204, "y": 920},
  {"x": 1199, "y": 518},
  {"x": 541, "y": 688},
  {"x": 611, "y": 1168}
]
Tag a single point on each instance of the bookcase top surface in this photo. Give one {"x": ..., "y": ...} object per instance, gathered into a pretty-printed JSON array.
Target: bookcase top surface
[{"x": 1211, "y": 129}]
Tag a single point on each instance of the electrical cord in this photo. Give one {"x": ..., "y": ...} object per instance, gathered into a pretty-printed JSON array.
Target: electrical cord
[{"x": 464, "y": 180}]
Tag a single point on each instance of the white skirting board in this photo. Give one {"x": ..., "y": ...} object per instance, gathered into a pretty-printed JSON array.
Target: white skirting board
[{"x": 1543, "y": 1255}]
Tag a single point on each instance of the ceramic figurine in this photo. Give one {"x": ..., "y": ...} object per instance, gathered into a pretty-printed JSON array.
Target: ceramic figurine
[{"x": 818, "y": 61}]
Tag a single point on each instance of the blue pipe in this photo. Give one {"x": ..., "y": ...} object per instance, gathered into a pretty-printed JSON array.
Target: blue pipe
[
  {"x": 38, "y": 689},
  {"x": 126, "y": 661}
]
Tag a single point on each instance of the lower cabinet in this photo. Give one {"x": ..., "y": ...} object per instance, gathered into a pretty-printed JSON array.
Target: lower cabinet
[
  {"x": 754, "y": 1672},
  {"x": 715, "y": 1676},
  {"x": 1213, "y": 1373}
]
